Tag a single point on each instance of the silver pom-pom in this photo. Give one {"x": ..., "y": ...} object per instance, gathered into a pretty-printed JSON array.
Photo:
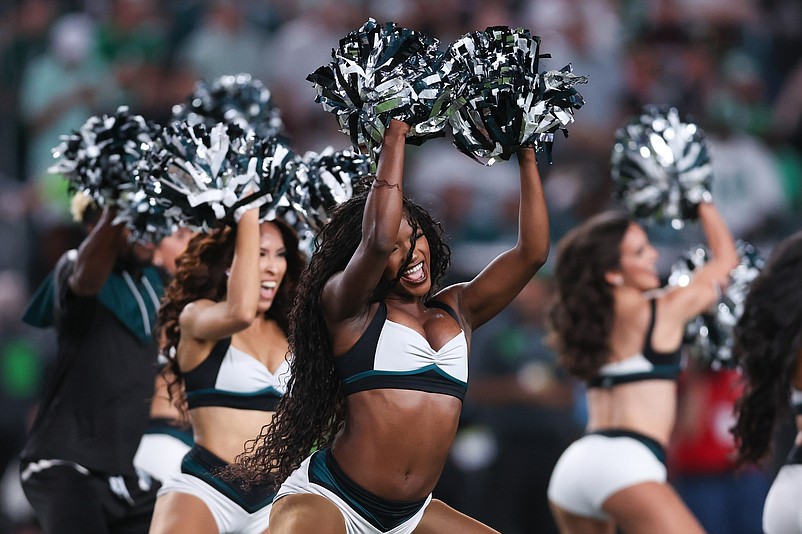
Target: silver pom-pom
[
  {"x": 381, "y": 72},
  {"x": 202, "y": 177},
  {"x": 503, "y": 101},
  {"x": 325, "y": 180},
  {"x": 709, "y": 337},
  {"x": 103, "y": 158},
  {"x": 239, "y": 99},
  {"x": 661, "y": 166}
]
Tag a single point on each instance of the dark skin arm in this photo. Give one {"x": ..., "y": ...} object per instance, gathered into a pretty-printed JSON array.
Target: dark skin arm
[
  {"x": 97, "y": 254},
  {"x": 496, "y": 286},
  {"x": 346, "y": 295}
]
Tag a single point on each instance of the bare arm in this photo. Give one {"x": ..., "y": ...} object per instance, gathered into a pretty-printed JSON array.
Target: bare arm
[
  {"x": 208, "y": 320},
  {"x": 497, "y": 285},
  {"x": 706, "y": 285},
  {"x": 96, "y": 255},
  {"x": 347, "y": 294}
]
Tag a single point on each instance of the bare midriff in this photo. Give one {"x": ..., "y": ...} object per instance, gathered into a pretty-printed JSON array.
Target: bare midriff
[
  {"x": 395, "y": 442},
  {"x": 224, "y": 431},
  {"x": 647, "y": 407}
]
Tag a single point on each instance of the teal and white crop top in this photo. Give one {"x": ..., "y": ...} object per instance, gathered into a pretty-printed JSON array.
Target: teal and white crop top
[
  {"x": 646, "y": 365},
  {"x": 231, "y": 378},
  {"x": 393, "y": 356}
]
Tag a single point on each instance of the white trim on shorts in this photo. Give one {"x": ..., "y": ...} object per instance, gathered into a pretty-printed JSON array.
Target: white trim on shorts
[
  {"x": 228, "y": 515},
  {"x": 782, "y": 512},
  {"x": 595, "y": 467},
  {"x": 298, "y": 483}
]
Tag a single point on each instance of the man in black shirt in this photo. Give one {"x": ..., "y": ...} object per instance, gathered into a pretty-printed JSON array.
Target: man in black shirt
[{"x": 77, "y": 465}]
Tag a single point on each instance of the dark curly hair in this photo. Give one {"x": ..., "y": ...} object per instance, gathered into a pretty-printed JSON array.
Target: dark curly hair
[
  {"x": 313, "y": 410},
  {"x": 767, "y": 342},
  {"x": 581, "y": 318},
  {"x": 201, "y": 274}
]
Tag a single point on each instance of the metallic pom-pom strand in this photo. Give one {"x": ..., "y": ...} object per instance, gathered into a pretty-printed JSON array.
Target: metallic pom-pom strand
[
  {"x": 503, "y": 102},
  {"x": 325, "y": 180},
  {"x": 237, "y": 99},
  {"x": 661, "y": 166},
  {"x": 277, "y": 174},
  {"x": 709, "y": 336},
  {"x": 102, "y": 158},
  {"x": 149, "y": 217},
  {"x": 203, "y": 176},
  {"x": 380, "y": 72}
]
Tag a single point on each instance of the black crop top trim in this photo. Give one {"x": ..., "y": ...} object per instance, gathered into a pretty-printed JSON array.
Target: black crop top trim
[
  {"x": 663, "y": 365},
  {"x": 204, "y": 375}
]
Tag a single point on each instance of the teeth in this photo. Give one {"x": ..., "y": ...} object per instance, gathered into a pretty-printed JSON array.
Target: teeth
[
  {"x": 414, "y": 269},
  {"x": 269, "y": 285}
]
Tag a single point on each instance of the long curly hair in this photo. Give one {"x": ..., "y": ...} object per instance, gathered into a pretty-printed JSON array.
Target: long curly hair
[
  {"x": 312, "y": 412},
  {"x": 767, "y": 342},
  {"x": 581, "y": 317},
  {"x": 201, "y": 274}
]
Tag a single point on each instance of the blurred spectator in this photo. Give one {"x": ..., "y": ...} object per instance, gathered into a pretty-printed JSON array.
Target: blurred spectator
[
  {"x": 295, "y": 50},
  {"x": 132, "y": 37},
  {"x": 701, "y": 455},
  {"x": 59, "y": 91},
  {"x": 207, "y": 51},
  {"x": 25, "y": 31},
  {"x": 746, "y": 185}
]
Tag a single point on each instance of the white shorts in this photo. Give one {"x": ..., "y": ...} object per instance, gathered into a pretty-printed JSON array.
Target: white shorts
[
  {"x": 782, "y": 513},
  {"x": 233, "y": 510},
  {"x": 317, "y": 470},
  {"x": 596, "y": 466},
  {"x": 160, "y": 455}
]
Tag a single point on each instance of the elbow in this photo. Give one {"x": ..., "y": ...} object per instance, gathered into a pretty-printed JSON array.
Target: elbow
[
  {"x": 85, "y": 286},
  {"x": 543, "y": 255},
  {"x": 537, "y": 256},
  {"x": 242, "y": 317}
]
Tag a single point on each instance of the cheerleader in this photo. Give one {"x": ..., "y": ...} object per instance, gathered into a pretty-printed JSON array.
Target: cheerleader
[
  {"x": 616, "y": 332},
  {"x": 768, "y": 346}
]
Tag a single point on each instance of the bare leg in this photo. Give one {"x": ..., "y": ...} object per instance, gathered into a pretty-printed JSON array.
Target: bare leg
[
  {"x": 651, "y": 507},
  {"x": 305, "y": 513},
  {"x": 570, "y": 523},
  {"x": 439, "y": 518},
  {"x": 181, "y": 512}
]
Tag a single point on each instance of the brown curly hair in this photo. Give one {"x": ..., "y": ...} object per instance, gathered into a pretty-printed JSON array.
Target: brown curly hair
[
  {"x": 201, "y": 274},
  {"x": 581, "y": 317}
]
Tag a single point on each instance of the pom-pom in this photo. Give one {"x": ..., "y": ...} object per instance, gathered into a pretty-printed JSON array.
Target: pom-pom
[
  {"x": 205, "y": 179},
  {"x": 240, "y": 100},
  {"x": 277, "y": 174},
  {"x": 503, "y": 102},
  {"x": 326, "y": 180},
  {"x": 709, "y": 336},
  {"x": 661, "y": 166},
  {"x": 383, "y": 72},
  {"x": 149, "y": 218},
  {"x": 103, "y": 158}
]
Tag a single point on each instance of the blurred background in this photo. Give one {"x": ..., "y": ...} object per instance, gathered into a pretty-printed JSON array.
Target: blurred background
[{"x": 732, "y": 66}]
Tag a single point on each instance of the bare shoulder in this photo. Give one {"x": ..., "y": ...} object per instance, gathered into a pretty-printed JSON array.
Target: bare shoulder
[
  {"x": 190, "y": 312},
  {"x": 451, "y": 296}
]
